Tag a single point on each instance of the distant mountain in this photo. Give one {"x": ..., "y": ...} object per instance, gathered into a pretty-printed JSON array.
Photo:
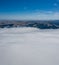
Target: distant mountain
[{"x": 42, "y": 24}]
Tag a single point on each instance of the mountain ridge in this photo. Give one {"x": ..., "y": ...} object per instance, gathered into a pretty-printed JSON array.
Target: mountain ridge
[{"x": 42, "y": 24}]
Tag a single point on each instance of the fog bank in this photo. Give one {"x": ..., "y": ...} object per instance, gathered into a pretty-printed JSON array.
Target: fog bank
[{"x": 29, "y": 46}]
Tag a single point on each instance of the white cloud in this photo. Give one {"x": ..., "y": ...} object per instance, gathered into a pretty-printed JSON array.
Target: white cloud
[
  {"x": 29, "y": 46},
  {"x": 25, "y": 8},
  {"x": 55, "y": 4}
]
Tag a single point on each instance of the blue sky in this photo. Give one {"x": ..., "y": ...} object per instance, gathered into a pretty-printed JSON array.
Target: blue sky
[{"x": 29, "y": 9}]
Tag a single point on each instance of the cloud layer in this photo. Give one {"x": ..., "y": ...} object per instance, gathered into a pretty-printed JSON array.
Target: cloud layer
[{"x": 29, "y": 46}]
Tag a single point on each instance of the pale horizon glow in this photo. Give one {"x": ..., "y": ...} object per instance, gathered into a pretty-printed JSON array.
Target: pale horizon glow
[{"x": 46, "y": 15}]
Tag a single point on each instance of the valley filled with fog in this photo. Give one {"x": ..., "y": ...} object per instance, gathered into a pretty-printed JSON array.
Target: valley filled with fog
[{"x": 29, "y": 46}]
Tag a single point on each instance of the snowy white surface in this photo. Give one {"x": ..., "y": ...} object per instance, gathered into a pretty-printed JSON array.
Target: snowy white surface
[{"x": 29, "y": 46}]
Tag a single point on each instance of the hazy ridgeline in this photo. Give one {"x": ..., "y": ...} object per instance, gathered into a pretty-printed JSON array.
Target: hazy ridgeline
[
  {"x": 41, "y": 24},
  {"x": 29, "y": 46}
]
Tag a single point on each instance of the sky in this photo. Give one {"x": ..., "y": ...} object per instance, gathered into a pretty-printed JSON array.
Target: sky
[{"x": 29, "y": 9}]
